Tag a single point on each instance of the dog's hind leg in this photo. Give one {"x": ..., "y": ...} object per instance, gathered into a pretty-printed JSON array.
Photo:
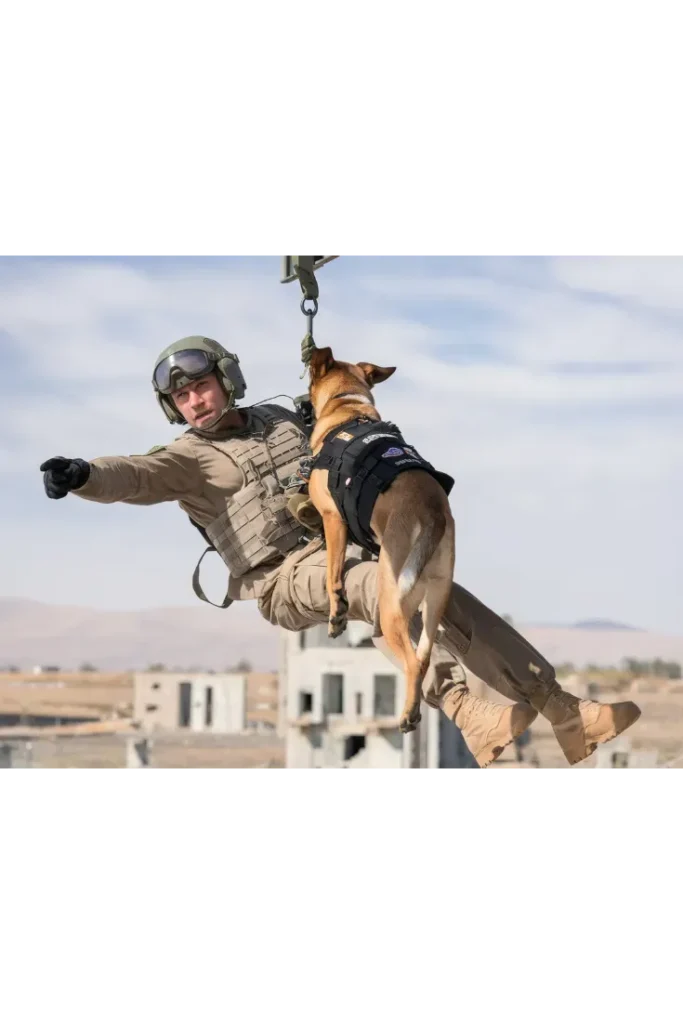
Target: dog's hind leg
[
  {"x": 438, "y": 575},
  {"x": 430, "y": 591},
  {"x": 394, "y": 626}
]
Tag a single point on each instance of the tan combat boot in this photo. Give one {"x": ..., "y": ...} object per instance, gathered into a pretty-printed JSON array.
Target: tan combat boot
[
  {"x": 487, "y": 728},
  {"x": 580, "y": 725}
]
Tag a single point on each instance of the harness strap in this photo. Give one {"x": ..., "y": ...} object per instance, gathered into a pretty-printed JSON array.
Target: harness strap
[
  {"x": 372, "y": 479},
  {"x": 197, "y": 587},
  {"x": 363, "y": 458}
]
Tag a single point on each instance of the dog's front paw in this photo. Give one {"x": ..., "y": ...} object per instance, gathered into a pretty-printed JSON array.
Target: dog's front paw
[
  {"x": 337, "y": 624},
  {"x": 339, "y": 608},
  {"x": 410, "y": 719}
]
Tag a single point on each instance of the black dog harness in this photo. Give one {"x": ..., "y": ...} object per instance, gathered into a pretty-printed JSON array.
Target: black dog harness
[{"x": 364, "y": 458}]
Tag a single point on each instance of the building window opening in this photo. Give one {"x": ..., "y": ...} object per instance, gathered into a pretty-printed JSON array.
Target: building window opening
[
  {"x": 352, "y": 746},
  {"x": 385, "y": 695},
  {"x": 208, "y": 707},
  {"x": 185, "y": 705},
  {"x": 333, "y": 694},
  {"x": 305, "y": 702},
  {"x": 359, "y": 703}
]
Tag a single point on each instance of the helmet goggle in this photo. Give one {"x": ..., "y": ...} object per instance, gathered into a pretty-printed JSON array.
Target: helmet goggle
[{"x": 174, "y": 370}]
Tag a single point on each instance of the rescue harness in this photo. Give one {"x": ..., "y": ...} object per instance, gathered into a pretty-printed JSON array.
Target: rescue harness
[{"x": 363, "y": 458}]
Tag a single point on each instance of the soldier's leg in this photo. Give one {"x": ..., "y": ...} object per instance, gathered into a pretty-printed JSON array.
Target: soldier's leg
[
  {"x": 498, "y": 654},
  {"x": 487, "y": 728},
  {"x": 298, "y": 598}
]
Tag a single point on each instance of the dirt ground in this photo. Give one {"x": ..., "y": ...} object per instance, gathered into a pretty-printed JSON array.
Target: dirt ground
[{"x": 169, "y": 750}]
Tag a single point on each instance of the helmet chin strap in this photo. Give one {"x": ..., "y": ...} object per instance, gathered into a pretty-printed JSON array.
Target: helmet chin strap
[{"x": 212, "y": 427}]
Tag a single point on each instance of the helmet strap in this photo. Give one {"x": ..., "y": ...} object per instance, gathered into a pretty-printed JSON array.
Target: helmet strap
[{"x": 213, "y": 427}]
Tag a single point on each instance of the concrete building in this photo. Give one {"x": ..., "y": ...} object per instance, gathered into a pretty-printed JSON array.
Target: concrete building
[
  {"x": 618, "y": 753},
  {"x": 262, "y": 701},
  {"x": 340, "y": 702},
  {"x": 199, "y": 701}
]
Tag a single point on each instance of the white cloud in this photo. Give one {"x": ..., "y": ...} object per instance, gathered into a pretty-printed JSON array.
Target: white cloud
[
  {"x": 653, "y": 281},
  {"x": 541, "y": 322},
  {"x": 566, "y": 493}
]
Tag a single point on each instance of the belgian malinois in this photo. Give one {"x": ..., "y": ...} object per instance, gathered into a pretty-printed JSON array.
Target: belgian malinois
[{"x": 411, "y": 521}]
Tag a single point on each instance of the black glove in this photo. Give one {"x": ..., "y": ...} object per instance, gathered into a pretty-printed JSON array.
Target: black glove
[
  {"x": 62, "y": 475},
  {"x": 308, "y": 347}
]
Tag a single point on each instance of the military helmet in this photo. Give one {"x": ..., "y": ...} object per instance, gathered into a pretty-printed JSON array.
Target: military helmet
[{"x": 192, "y": 358}]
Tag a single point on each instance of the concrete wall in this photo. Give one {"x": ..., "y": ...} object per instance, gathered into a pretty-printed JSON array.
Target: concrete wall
[
  {"x": 320, "y": 734},
  {"x": 157, "y": 700},
  {"x": 359, "y": 669},
  {"x": 328, "y": 725},
  {"x": 317, "y": 747}
]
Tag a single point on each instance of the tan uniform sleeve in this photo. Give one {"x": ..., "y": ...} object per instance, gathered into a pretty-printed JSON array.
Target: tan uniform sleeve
[{"x": 167, "y": 474}]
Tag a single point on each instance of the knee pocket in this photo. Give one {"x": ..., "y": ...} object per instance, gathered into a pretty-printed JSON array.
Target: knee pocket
[{"x": 459, "y": 637}]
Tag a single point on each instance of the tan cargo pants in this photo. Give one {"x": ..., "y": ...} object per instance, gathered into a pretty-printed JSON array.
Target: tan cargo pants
[{"x": 295, "y": 597}]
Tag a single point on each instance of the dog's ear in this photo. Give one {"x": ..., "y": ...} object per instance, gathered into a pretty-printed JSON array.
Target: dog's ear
[
  {"x": 321, "y": 362},
  {"x": 375, "y": 374}
]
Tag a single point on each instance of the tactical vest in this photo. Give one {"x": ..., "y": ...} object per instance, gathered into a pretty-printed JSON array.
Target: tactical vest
[
  {"x": 363, "y": 458},
  {"x": 256, "y": 527}
]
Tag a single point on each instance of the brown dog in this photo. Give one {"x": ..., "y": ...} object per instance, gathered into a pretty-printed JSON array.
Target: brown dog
[{"x": 411, "y": 521}]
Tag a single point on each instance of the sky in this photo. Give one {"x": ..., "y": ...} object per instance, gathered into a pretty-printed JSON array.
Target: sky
[{"x": 550, "y": 388}]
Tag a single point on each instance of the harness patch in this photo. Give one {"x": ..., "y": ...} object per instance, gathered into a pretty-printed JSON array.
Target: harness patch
[
  {"x": 373, "y": 437},
  {"x": 152, "y": 451},
  {"x": 362, "y": 462}
]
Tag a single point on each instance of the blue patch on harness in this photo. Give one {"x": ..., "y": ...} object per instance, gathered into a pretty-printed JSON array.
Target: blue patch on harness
[{"x": 392, "y": 453}]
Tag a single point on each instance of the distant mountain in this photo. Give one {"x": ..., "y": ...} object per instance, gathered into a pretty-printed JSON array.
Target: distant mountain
[
  {"x": 606, "y": 645},
  {"x": 34, "y": 633},
  {"x": 603, "y": 624}
]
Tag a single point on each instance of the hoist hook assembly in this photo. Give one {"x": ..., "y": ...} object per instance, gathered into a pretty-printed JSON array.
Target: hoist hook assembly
[{"x": 302, "y": 269}]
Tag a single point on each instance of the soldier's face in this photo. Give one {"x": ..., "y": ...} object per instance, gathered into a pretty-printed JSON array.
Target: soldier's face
[{"x": 200, "y": 401}]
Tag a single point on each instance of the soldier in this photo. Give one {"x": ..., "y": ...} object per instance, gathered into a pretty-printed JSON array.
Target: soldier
[{"x": 234, "y": 471}]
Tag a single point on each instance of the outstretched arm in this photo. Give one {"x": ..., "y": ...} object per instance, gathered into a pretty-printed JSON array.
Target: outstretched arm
[{"x": 164, "y": 474}]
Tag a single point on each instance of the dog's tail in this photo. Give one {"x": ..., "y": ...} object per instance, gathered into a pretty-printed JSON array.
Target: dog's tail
[{"x": 426, "y": 544}]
